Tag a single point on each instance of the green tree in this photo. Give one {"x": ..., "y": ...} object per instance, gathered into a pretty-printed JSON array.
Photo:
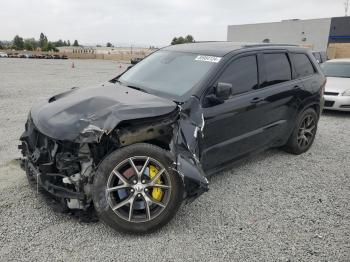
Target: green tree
[
  {"x": 49, "y": 47},
  {"x": 18, "y": 43},
  {"x": 30, "y": 44},
  {"x": 1, "y": 45},
  {"x": 58, "y": 43},
  {"x": 68, "y": 43},
  {"x": 109, "y": 44},
  {"x": 174, "y": 41},
  {"x": 182, "y": 40},
  {"x": 42, "y": 40},
  {"x": 189, "y": 39},
  {"x": 75, "y": 43}
]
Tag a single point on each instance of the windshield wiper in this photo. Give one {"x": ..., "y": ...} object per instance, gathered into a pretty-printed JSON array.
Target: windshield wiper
[
  {"x": 137, "y": 88},
  {"x": 130, "y": 86}
]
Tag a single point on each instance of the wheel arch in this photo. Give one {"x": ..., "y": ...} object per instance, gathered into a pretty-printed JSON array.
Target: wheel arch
[{"x": 314, "y": 105}]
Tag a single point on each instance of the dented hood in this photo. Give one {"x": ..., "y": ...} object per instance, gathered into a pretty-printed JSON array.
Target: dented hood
[{"x": 84, "y": 115}]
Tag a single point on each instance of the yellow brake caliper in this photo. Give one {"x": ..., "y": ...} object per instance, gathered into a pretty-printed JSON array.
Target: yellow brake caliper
[{"x": 157, "y": 193}]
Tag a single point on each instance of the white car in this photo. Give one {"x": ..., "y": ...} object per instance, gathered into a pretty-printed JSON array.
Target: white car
[
  {"x": 337, "y": 91},
  {"x": 2, "y": 54}
]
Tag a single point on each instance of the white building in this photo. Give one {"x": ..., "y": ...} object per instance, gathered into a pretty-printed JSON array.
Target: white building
[{"x": 313, "y": 33}]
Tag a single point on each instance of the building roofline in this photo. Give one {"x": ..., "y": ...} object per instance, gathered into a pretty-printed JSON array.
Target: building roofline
[{"x": 287, "y": 20}]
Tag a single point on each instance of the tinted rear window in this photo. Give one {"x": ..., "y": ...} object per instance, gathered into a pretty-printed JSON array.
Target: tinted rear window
[
  {"x": 277, "y": 69},
  {"x": 302, "y": 65}
]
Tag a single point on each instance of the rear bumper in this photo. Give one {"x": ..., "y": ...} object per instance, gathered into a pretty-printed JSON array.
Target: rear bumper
[{"x": 340, "y": 103}]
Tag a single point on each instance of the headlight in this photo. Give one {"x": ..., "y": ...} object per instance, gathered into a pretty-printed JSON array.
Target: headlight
[{"x": 346, "y": 93}]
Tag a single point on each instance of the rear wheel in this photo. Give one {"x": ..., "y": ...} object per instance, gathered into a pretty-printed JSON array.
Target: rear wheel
[
  {"x": 304, "y": 132},
  {"x": 135, "y": 189}
]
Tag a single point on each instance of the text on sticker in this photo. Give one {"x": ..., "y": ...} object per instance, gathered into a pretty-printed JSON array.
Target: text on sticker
[{"x": 206, "y": 58}]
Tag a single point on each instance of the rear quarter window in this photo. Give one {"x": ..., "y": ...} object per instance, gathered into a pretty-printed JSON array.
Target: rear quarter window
[{"x": 302, "y": 65}]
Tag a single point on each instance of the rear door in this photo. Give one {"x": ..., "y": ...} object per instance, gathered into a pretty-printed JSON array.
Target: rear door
[
  {"x": 254, "y": 118},
  {"x": 306, "y": 72},
  {"x": 280, "y": 92}
]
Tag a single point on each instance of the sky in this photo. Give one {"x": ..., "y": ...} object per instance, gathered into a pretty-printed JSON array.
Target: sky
[{"x": 148, "y": 22}]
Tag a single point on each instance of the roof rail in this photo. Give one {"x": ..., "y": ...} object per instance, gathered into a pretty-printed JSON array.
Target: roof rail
[
  {"x": 261, "y": 44},
  {"x": 243, "y": 44}
]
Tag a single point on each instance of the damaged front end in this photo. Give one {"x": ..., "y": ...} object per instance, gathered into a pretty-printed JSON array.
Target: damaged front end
[
  {"x": 64, "y": 161},
  {"x": 63, "y": 169}
]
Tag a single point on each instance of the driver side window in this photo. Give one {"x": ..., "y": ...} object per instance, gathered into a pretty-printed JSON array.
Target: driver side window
[{"x": 242, "y": 73}]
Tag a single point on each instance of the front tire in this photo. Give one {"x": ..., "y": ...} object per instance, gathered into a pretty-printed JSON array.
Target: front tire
[
  {"x": 135, "y": 189},
  {"x": 304, "y": 132}
]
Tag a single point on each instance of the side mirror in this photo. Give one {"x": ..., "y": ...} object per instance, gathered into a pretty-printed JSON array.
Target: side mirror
[{"x": 223, "y": 91}]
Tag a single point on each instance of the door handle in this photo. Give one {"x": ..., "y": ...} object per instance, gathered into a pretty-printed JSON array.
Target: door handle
[{"x": 256, "y": 100}]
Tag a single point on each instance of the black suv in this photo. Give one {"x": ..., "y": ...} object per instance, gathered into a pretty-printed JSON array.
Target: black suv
[{"x": 136, "y": 147}]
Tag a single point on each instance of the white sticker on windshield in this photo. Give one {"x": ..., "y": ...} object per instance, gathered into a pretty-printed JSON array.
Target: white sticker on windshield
[{"x": 206, "y": 58}]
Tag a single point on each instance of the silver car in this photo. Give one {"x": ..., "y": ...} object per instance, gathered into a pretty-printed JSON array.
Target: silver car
[{"x": 337, "y": 91}]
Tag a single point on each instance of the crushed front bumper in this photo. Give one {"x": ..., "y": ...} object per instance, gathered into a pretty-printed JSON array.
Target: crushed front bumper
[
  {"x": 35, "y": 176},
  {"x": 54, "y": 166}
]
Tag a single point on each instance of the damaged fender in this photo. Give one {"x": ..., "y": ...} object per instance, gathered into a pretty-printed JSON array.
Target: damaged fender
[{"x": 185, "y": 148}]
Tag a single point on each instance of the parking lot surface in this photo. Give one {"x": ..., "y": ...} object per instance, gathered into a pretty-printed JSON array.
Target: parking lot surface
[{"x": 272, "y": 207}]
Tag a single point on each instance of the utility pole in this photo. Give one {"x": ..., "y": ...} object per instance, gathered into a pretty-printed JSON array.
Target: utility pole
[{"x": 346, "y": 4}]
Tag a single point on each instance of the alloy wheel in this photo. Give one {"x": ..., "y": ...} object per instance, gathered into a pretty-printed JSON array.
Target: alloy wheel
[
  {"x": 138, "y": 189},
  {"x": 307, "y": 131}
]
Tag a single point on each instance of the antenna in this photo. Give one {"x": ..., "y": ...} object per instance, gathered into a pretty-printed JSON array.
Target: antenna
[{"x": 346, "y": 4}]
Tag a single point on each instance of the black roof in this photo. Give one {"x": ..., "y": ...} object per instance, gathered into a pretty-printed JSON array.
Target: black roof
[{"x": 218, "y": 48}]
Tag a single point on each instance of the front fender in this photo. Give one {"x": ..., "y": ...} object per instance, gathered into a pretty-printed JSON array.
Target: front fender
[
  {"x": 193, "y": 177},
  {"x": 184, "y": 147}
]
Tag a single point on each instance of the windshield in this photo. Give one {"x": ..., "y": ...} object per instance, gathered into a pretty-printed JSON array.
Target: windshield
[
  {"x": 171, "y": 74},
  {"x": 336, "y": 69}
]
